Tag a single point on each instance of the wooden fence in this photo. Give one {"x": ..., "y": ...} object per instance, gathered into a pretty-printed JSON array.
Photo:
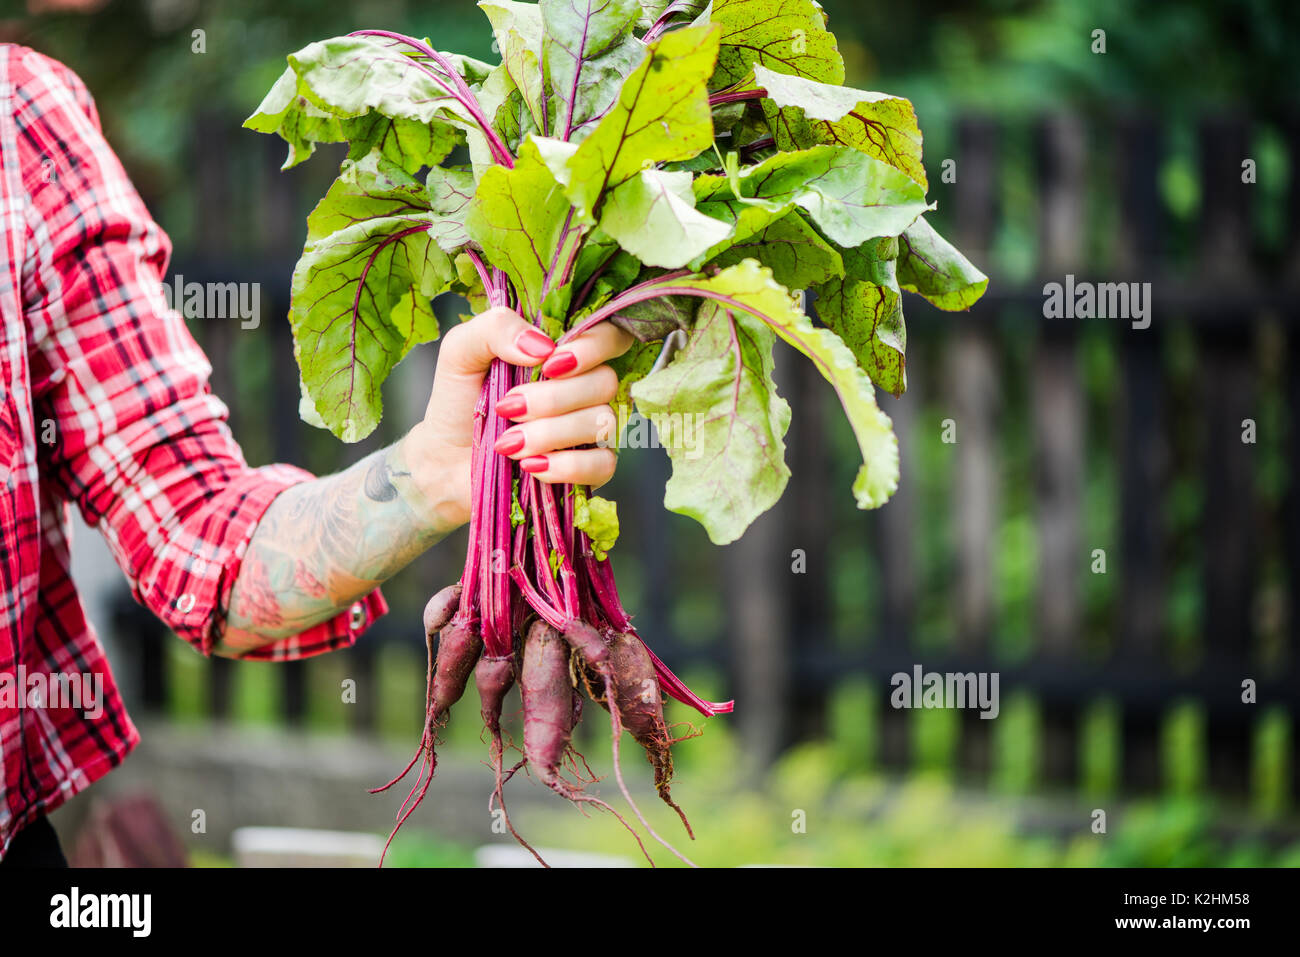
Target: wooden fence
[{"x": 1074, "y": 439}]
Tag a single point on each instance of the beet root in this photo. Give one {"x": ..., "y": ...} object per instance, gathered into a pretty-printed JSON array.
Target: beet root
[
  {"x": 549, "y": 710},
  {"x": 440, "y": 609},
  {"x": 459, "y": 648},
  {"x": 587, "y": 642},
  {"x": 445, "y": 683},
  {"x": 494, "y": 677},
  {"x": 641, "y": 706},
  {"x": 548, "y": 703}
]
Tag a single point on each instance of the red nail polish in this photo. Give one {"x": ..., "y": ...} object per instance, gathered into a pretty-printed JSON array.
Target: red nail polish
[
  {"x": 559, "y": 364},
  {"x": 534, "y": 463},
  {"x": 535, "y": 344},
  {"x": 510, "y": 442},
  {"x": 512, "y": 406}
]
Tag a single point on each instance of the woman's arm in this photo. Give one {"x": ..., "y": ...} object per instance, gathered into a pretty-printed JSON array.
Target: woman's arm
[{"x": 325, "y": 543}]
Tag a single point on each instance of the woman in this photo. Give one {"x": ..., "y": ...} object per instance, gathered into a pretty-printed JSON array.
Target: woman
[{"x": 104, "y": 404}]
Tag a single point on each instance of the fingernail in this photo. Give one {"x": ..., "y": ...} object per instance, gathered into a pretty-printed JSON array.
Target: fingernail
[
  {"x": 559, "y": 364},
  {"x": 535, "y": 344},
  {"x": 534, "y": 463},
  {"x": 511, "y": 406},
  {"x": 510, "y": 442}
]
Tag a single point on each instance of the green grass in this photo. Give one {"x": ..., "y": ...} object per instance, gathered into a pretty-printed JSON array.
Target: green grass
[
  {"x": 807, "y": 813},
  {"x": 423, "y": 851}
]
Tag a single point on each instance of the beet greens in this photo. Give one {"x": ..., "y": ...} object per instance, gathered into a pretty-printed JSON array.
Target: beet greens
[{"x": 669, "y": 166}]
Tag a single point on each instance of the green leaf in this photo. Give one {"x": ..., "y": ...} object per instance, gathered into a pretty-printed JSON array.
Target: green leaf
[
  {"x": 517, "y": 516},
  {"x": 750, "y": 287},
  {"x": 518, "y": 31},
  {"x": 850, "y": 196},
  {"x": 618, "y": 269},
  {"x": 746, "y": 217},
  {"x": 294, "y": 119},
  {"x": 662, "y": 114},
  {"x": 450, "y": 192},
  {"x": 556, "y": 153},
  {"x": 865, "y": 309},
  {"x": 598, "y": 518},
  {"x": 703, "y": 163},
  {"x": 587, "y": 50},
  {"x": 367, "y": 189},
  {"x": 471, "y": 69},
  {"x": 517, "y": 217},
  {"x": 307, "y": 408},
  {"x": 507, "y": 111},
  {"x": 653, "y": 319},
  {"x": 360, "y": 294},
  {"x": 410, "y": 144},
  {"x": 750, "y": 127},
  {"x": 795, "y": 252},
  {"x": 930, "y": 265},
  {"x": 653, "y": 217},
  {"x": 350, "y": 76},
  {"x": 803, "y": 113},
  {"x": 631, "y": 367},
  {"x": 788, "y": 36},
  {"x": 716, "y": 410},
  {"x": 513, "y": 121},
  {"x": 300, "y": 123}
]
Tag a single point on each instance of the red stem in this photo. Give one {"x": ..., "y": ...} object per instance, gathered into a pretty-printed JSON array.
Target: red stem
[
  {"x": 628, "y": 297},
  {"x": 463, "y": 94},
  {"x": 493, "y": 290},
  {"x": 718, "y": 99},
  {"x": 658, "y": 27}
]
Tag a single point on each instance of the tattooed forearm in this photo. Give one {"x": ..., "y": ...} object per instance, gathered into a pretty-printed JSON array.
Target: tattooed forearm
[{"x": 326, "y": 543}]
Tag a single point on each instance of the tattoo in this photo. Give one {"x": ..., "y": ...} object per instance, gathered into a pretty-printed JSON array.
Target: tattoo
[
  {"x": 324, "y": 544},
  {"x": 378, "y": 486}
]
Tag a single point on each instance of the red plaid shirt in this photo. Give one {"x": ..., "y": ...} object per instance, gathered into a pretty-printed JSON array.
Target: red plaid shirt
[{"x": 104, "y": 404}]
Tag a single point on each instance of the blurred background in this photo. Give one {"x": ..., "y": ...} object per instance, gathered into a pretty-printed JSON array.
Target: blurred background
[{"x": 1115, "y": 530}]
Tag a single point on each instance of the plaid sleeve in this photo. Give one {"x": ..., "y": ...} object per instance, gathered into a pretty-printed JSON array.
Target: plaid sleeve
[{"x": 131, "y": 431}]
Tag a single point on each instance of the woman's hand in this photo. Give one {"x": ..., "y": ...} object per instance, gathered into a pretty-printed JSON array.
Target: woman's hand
[{"x": 568, "y": 407}]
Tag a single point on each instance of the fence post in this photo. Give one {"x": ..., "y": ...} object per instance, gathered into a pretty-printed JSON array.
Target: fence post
[
  {"x": 1290, "y": 281},
  {"x": 1058, "y": 425},
  {"x": 971, "y": 377},
  {"x": 812, "y": 500},
  {"x": 756, "y": 593},
  {"x": 893, "y": 533},
  {"x": 1228, "y": 397},
  {"x": 652, "y": 472},
  {"x": 212, "y": 196},
  {"x": 1143, "y": 448}
]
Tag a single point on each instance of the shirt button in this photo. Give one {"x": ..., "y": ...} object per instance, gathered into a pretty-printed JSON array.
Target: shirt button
[
  {"x": 185, "y": 604},
  {"x": 358, "y": 616}
]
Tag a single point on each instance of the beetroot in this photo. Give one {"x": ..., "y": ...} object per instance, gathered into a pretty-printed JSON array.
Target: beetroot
[
  {"x": 548, "y": 703},
  {"x": 556, "y": 592},
  {"x": 548, "y": 225},
  {"x": 641, "y": 705},
  {"x": 440, "y": 609}
]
